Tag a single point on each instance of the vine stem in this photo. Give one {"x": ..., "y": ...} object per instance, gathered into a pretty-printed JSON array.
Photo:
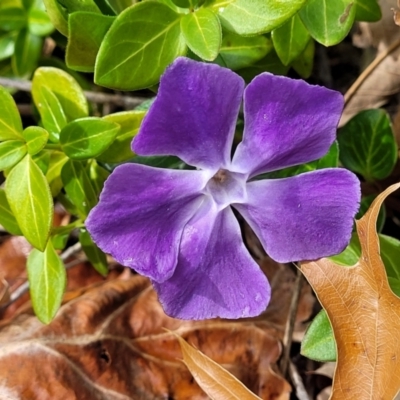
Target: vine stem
[{"x": 94, "y": 97}]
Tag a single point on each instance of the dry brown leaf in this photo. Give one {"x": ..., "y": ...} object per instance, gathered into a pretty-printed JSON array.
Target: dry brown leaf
[
  {"x": 110, "y": 343},
  {"x": 365, "y": 316}
]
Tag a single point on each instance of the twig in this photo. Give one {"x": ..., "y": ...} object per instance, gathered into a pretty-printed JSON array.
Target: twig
[
  {"x": 117, "y": 99},
  {"x": 287, "y": 339},
  {"x": 364, "y": 75},
  {"x": 21, "y": 290}
]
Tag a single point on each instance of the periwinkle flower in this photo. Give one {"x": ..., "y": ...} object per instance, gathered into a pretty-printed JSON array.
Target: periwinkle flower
[{"x": 177, "y": 226}]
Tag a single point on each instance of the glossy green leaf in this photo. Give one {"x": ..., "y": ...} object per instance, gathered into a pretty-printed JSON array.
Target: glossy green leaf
[
  {"x": 53, "y": 175},
  {"x": 68, "y": 92},
  {"x": 36, "y": 138},
  {"x": 57, "y": 15},
  {"x": 79, "y": 187},
  {"x": 72, "y": 6},
  {"x": 86, "y": 32},
  {"x": 120, "y": 5},
  {"x": 60, "y": 234},
  {"x": 7, "y": 219},
  {"x": 367, "y": 145},
  {"x": 27, "y": 52},
  {"x": 185, "y": 3},
  {"x": 7, "y": 44},
  {"x": 154, "y": 41},
  {"x": 120, "y": 149},
  {"x": 252, "y": 17},
  {"x": 330, "y": 159},
  {"x": 87, "y": 137},
  {"x": 368, "y": 10},
  {"x": 97, "y": 175},
  {"x": 351, "y": 254},
  {"x": 290, "y": 39},
  {"x": 318, "y": 342},
  {"x": 202, "y": 33},
  {"x": 12, "y": 15},
  {"x": 238, "y": 51},
  {"x": 93, "y": 253},
  {"x": 47, "y": 281},
  {"x": 11, "y": 152},
  {"x": 303, "y": 64},
  {"x": 42, "y": 160},
  {"x": 10, "y": 120},
  {"x": 328, "y": 21},
  {"x": 30, "y": 200},
  {"x": 38, "y": 20}
]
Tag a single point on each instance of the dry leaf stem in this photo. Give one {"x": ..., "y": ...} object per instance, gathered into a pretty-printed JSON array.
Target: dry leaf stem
[
  {"x": 287, "y": 339},
  {"x": 379, "y": 58},
  {"x": 94, "y": 97}
]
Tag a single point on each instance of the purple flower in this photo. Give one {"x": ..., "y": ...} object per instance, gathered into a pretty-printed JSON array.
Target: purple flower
[{"x": 177, "y": 226}]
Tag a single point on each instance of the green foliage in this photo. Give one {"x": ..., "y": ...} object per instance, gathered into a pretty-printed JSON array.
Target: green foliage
[
  {"x": 93, "y": 253},
  {"x": 367, "y": 145},
  {"x": 7, "y": 219}
]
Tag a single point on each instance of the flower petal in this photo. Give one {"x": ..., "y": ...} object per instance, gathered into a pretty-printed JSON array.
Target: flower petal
[
  {"x": 141, "y": 215},
  {"x": 215, "y": 275},
  {"x": 194, "y": 115},
  {"x": 287, "y": 122},
  {"x": 303, "y": 217}
]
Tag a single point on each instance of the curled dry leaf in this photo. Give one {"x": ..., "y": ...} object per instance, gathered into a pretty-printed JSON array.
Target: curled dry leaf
[
  {"x": 365, "y": 316},
  {"x": 110, "y": 343}
]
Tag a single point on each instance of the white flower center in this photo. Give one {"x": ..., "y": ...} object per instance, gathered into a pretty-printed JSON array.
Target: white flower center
[{"x": 227, "y": 187}]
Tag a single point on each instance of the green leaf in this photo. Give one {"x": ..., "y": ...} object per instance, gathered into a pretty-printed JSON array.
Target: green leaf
[
  {"x": 202, "y": 33},
  {"x": 47, "y": 281},
  {"x": 367, "y": 145},
  {"x": 87, "y": 137},
  {"x": 303, "y": 64},
  {"x": 350, "y": 255},
  {"x": 93, "y": 253},
  {"x": 79, "y": 187},
  {"x": 252, "y": 17},
  {"x": 30, "y": 199},
  {"x": 36, "y": 138},
  {"x": 390, "y": 253},
  {"x": 120, "y": 149},
  {"x": 58, "y": 15},
  {"x": 328, "y": 21},
  {"x": 86, "y": 32},
  {"x": 7, "y": 44},
  {"x": 319, "y": 342},
  {"x": 368, "y": 10},
  {"x": 72, "y": 6},
  {"x": 155, "y": 41},
  {"x": 186, "y": 3},
  {"x": 7, "y": 219},
  {"x": 10, "y": 120},
  {"x": 27, "y": 52},
  {"x": 238, "y": 51},
  {"x": 330, "y": 159},
  {"x": 12, "y": 15},
  {"x": 53, "y": 175},
  {"x": 38, "y": 20},
  {"x": 64, "y": 87},
  {"x": 97, "y": 175},
  {"x": 290, "y": 39},
  {"x": 11, "y": 152},
  {"x": 42, "y": 160},
  {"x": 120, "y": 5}
]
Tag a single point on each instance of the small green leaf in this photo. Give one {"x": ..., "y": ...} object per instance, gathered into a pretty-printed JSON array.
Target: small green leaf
[
  {"x": 154, "y": 41},
  {"x": 42, "y": 160},
  {"x": 38, "y": 20},
  {"x": 290, "y": 39},
  {"x": 10, "y": 120},
  {"x": 253, "y": 17},
  {"x": 72, "y": 6},
  {"x": 53, "y": 175},
  {"x": 27, "y": 52},
  {"x": 11, "y": 152},
  {"x": 12, "y": 15},
  {"x": 86, "y": 32},
  {"x": 7, "y": 44},
  {"x": 319, "y": 342},
  {"x": 79, "y": 187},
  {"x": 367, "y": 145},
  {"x": 58, "y": 15},
  {"x": 120, "y": 149},
  {"x": 36, "y": 138},
  {"x": 47, "y": 281},
  {"x": 368, "y": 10},
  {"x": 29, "y": 196},
  {"x": 120, "y": 5},
  {"x": 93, "y": 253},
  {"x": 328, "y": 21},
  {"x": 186, "y": 3},
  {"x": 350, "y": 255},
  {"x": 97, "y": 175},
  {"x": 64, "y": 87},
  {"x": 7, "y": 219},
  {"x": 303, "y": 64},
  {"x": 331, "y": 158},
  {"x": 87, "y": 137},
  {"x": 239, "y": 52},
  {"x": 202, "y": 33}
]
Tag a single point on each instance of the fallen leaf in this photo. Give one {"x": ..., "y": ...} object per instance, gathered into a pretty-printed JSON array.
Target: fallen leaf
[
  {"x": 110, "y": 343},
  {"x": 365, "y": 316}
]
